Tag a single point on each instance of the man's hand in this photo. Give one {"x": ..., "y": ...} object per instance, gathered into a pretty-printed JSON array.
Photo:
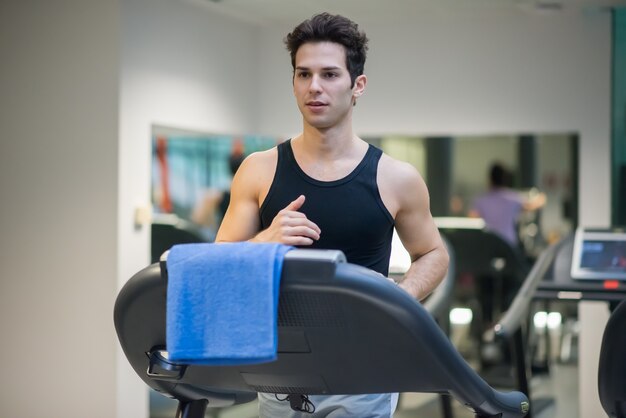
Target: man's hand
[{"x": 290, "y": 227}]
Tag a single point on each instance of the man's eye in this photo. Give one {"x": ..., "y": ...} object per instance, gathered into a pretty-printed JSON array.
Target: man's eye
[
  {"x": 303, "y": 75},
  {"x": 331, "y": 75}
]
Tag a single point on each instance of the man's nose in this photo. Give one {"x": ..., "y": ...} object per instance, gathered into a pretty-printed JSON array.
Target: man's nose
[{"x": 315, "y": 86}]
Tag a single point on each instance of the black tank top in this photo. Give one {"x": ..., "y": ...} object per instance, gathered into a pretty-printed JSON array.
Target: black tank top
[{"x": 349, "y": 211}]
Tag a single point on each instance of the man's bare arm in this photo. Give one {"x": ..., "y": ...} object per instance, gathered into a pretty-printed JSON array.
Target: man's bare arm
[
  {"x": 241, "y": 220},
  {"x": 419, "y": 235},
  {"x": 536, "y": 201}
]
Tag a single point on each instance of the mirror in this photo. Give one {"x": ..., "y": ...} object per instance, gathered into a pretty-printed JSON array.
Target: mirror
[{"x": 192, "y": 171}]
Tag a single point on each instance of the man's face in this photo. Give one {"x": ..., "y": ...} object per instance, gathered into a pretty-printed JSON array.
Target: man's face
[{"x": 322, "y": 82}]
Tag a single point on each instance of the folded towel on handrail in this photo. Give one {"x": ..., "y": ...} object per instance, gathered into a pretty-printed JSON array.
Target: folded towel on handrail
[{"x": 222, "y": 302}]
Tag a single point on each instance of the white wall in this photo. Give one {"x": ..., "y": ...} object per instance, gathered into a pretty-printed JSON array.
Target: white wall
[
  {"x": 181, "y": 67},
  {"x": 501, "y": 74},
  {"x": 58, "y": 188}
]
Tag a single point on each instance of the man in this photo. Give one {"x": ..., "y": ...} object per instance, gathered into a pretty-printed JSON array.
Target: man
[
  {"x": 327, "y": 188},
  {"x": 500, "y": 206}
]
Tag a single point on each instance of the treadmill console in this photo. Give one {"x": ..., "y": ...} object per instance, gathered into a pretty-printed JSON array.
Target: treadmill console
[{"x": 599, "y": 255}]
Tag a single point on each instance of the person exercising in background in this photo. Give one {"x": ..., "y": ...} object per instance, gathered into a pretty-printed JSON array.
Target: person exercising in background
[
  {"x": 500, "y": 206},
  {"x": 210, "y": 209},
  {"x": 328, "y": 188}
]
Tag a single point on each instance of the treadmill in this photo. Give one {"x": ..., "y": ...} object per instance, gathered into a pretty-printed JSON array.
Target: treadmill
[{"x": 342, "y": 329}]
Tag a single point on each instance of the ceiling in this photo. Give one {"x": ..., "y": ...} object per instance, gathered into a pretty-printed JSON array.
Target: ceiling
[{"x": 286, "y": 12}]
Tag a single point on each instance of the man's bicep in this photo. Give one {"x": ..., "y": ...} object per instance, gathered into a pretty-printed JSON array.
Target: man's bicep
[
  {"x": 415, "y": 224},
  {"x": 418, "y": 233}
]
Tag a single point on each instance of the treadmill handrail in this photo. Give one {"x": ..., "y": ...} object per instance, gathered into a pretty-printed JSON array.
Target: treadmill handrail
[
  {"x": 512, "y": 318},
  {"x": 331, "y": 256}
]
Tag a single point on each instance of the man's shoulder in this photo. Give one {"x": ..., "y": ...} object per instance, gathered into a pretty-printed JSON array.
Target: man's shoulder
[
  {"x": 400, "y": 184},
  {"x": 256, "y": 172},
  {"x": 263, "y": 157},
  {"x": 259, "y": 162},
  {"x": 397, "y": 171}
]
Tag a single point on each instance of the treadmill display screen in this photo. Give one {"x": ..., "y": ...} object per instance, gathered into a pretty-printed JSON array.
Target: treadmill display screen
[{"x": 599, "y": 255}]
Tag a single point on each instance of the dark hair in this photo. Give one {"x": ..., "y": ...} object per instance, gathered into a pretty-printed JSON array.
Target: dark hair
[
  {"x": 325, "y": 27},
  {"x": 497, "y": 175},
  {"x": 234, "y": 161}
]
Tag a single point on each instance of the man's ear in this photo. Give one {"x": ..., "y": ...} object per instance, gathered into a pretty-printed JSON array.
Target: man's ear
[{"x": 359, "y": 86}]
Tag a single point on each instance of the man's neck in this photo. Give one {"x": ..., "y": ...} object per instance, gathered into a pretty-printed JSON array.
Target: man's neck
[
  {"x": 328, "y": 143},
  {"x": 328, "y": 155}
]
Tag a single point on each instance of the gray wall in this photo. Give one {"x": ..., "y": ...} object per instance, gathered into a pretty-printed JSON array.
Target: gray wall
[{"x": 58, "y": 182}]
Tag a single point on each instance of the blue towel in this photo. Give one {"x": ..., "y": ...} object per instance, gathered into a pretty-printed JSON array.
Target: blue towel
[{"x": 222, "y": 302}]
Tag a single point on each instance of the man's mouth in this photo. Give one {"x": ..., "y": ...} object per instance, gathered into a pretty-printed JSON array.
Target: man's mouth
[{"x": 316, "y": 104}]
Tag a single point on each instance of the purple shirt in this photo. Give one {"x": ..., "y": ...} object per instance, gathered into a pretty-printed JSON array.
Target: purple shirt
[{"x": 500, "y": 209}]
